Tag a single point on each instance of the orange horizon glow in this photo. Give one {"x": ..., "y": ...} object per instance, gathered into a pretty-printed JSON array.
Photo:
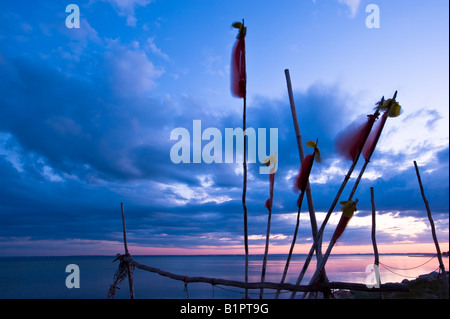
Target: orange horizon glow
[
  {"x": 73, "y": 247},
  {"x": 405, "y": 248}
]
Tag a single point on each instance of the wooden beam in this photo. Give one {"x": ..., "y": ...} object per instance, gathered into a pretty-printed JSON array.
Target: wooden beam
[{"x": 269, "y": 285}]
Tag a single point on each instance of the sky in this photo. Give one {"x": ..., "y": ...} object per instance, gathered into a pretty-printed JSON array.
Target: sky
[{"x": 86, "y": 116}]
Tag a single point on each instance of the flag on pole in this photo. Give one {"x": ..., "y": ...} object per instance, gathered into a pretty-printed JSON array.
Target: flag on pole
[
  {"x": 271, "y": 160},
  {"x": 371, "y": 142},
  {"x": 350, "y": 141},
  {"x": 391, "y": 108},
  {"x": 305, "y": 169},
  {"x": 348, "y": 209},
  {"x": 238, "y": 72}
]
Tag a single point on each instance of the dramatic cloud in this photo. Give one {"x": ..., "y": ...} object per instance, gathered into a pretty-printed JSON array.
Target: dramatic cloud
[{"x": 85, "y": 123}]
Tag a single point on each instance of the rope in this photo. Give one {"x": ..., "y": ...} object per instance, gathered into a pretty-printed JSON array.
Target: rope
[
  {"x": 120, "y": 274},
  {"x": 384, "y": 265},
  {"x": 401, "y": 275},
  {"x": 389, "y": 268}
]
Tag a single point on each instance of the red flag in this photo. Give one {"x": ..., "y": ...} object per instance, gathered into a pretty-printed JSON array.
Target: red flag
[
  {"x": 348, "y": 210},
  {"x": 305, "y": 169},
  {"x": 238, "y": 73},
  {"x": 269, "y": 201},
  {"x": 372, "y": 140},
  {"x": 350, "y": 141},
  {"x": 271, "y": 160}
]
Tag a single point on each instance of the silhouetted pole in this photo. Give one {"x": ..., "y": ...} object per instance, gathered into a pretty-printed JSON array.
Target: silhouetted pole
[
  {"x": 130, "y": 274},
  {"x": 294, "y": 238},
  {"x": 312, "y": 214},
  {"x": 374, "y": 241},
  {"x": 433, "y": 230}
]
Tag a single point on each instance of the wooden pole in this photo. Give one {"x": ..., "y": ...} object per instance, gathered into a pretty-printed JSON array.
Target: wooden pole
[
  {"x": 312, "y": 215},
  {"x": 324, "y": 260},
  {"x": 374, "y": 241},
  {"x": 266, "y": 252},
  {"x": 244, "y": 193},
  {"x": 377, "y": 137},
  {"x": 286, "y": 267},
  {"x": 347, "y": 177},
  {"x": 322, "y": 227},
  {"x": 433, "y": 231},
  {"x": 130, "y": 274},
  {"x": 267, "y": 285},
  {"x": 327, "y": 217}
]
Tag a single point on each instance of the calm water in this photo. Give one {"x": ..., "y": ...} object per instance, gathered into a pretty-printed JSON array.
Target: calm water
[{"x": 44, "y": 277}]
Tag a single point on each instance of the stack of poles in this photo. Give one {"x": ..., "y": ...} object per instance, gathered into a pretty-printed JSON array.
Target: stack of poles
[{"x": 318, "y": 239}]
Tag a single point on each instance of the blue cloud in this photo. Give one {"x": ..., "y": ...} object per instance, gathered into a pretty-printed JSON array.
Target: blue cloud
[{"x": 85, "y": 124}]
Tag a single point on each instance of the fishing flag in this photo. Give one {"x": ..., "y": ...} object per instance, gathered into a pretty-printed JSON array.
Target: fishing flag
[
  {"x": 238, "y": 72},
  {"x": 271, "y": 160},
  {"x": 350, "y": 141},
  {"x": 348, "y": 209},
  {"x": 372, "y": 140},
  {"x": 391, "y": 108},
  {"x": 305, "y": 169}
]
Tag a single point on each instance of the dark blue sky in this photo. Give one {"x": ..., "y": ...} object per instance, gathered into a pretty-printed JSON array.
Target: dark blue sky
[{"x": 86, "y": 116}]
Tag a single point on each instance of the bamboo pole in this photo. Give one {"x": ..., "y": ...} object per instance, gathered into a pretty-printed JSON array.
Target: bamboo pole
[
  {"x": 130, "y": 274},
  {"x": 312, "y": 214},
  {"x": 374, "y": 241},
  {"x": 267, "y": 285},
  {"x": 433, "y": 231}
]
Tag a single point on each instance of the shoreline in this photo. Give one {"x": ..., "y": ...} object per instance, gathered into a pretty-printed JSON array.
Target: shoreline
[{"x": 426, "y": 286}]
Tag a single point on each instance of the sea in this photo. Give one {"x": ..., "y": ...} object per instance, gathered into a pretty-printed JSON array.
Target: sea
[{"x": 51, "y": 278}]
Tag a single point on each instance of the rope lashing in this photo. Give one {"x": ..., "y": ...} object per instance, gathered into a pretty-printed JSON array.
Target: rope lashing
[{"x": 411, "y": 267}]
